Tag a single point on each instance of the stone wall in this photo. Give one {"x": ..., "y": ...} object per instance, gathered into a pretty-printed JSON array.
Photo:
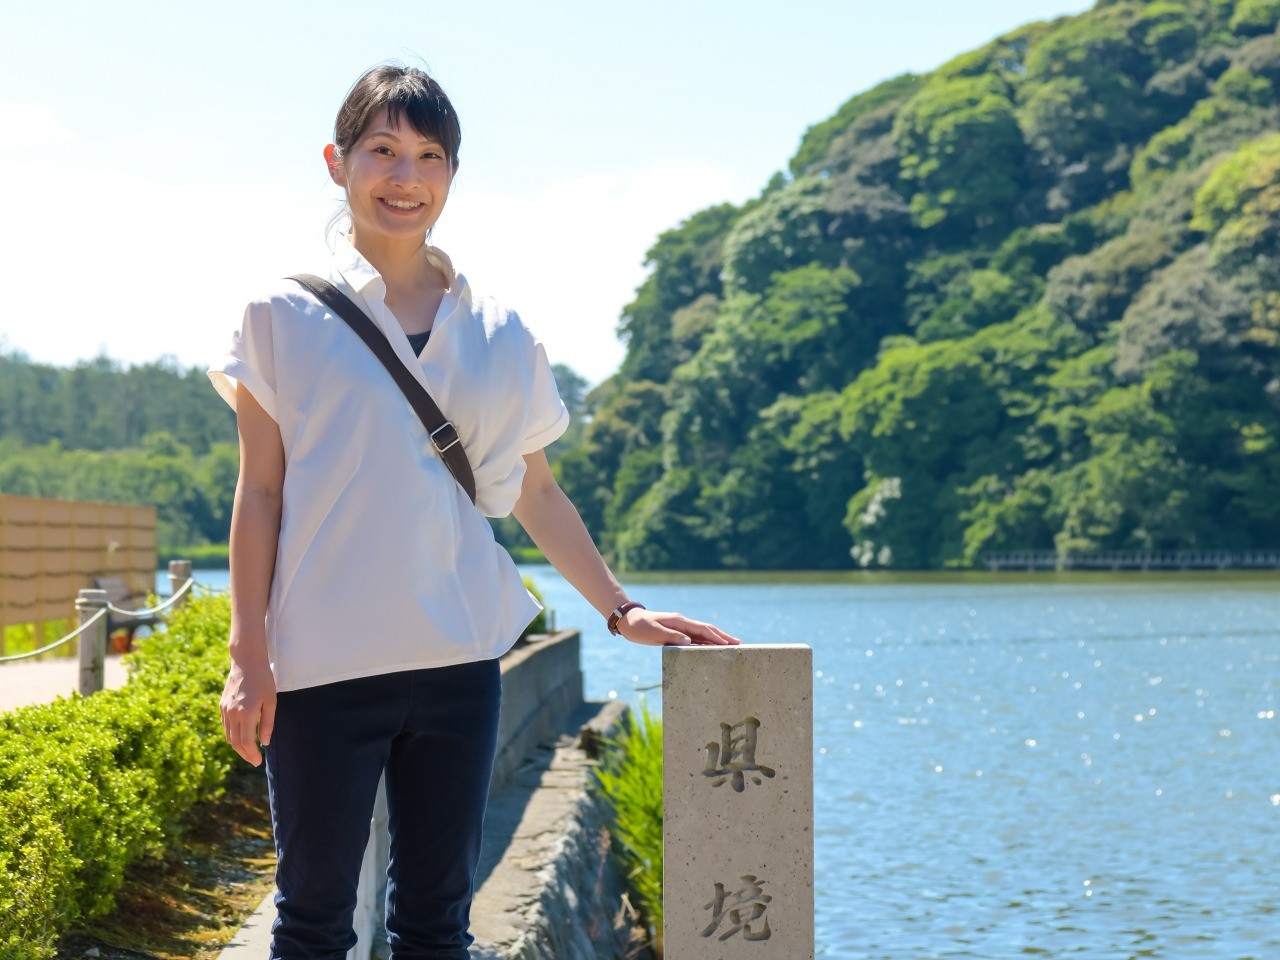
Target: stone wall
[
  {"x": 541, "y": 686},
  {"x": 550, "y": 887},
  {"x": 547, "y": 886}
]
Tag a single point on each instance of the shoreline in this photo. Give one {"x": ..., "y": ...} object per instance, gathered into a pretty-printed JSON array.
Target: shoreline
[{"x": 889, "y": 577}]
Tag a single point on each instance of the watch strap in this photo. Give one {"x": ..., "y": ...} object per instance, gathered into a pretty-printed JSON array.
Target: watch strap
[{"x": 616, "y": 617}]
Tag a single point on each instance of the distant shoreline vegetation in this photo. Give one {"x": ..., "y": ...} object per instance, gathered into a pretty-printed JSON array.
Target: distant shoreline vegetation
[
  {"x": 1029, "y": 300},
  {"x": 216, "y": 556},
  {"x": 206, "y": 556},
  {"x": 153, "y": 433}
]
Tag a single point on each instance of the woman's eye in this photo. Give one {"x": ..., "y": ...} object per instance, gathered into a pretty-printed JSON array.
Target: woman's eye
[{"x": 382, "y": 150}]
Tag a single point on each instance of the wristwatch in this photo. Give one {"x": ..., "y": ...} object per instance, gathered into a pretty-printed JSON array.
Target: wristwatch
[{"x": 616, "y": 616}]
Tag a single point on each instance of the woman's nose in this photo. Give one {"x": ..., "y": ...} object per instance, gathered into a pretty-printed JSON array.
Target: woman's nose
[{"x": 404, "y": 170}]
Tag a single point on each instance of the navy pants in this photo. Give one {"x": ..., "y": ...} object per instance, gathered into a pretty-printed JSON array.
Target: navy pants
[{"x": 434, "y": 732}]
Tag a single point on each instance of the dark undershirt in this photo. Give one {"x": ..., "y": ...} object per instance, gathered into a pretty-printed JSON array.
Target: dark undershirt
[{"x": 418, "y": 340}]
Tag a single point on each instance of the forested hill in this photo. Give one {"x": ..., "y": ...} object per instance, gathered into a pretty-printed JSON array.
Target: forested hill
[
  {"x": 150, "y": 433},
  {"x": 1028, "y": 299},
  {"x": 102, "y": 405}
]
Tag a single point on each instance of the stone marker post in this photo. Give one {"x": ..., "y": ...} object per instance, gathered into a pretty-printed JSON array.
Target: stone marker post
[
  {"x": 737, "y": 794},
  {"x": 93, "y": 642}
]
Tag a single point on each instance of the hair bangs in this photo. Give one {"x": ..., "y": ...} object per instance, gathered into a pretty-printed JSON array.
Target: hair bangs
[{"x": 404, "y": 93}]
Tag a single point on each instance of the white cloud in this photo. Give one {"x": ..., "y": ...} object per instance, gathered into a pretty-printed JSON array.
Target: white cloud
[
  {"x": 139, "y": 266},
  {"x": 29, "y": 124},
  {"x": 569, "y": 256},
  {"x": 102, "y": 262}
]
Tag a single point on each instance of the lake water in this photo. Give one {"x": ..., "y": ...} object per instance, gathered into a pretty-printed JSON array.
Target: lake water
[{"x": 1075, "y": 766}]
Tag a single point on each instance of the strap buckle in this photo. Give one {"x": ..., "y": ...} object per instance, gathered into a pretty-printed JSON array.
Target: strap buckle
[{"x": 436, "y": 443}]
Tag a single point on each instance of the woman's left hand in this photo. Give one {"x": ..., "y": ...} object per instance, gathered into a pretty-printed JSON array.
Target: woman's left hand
[{"x": 655, "y": 628}]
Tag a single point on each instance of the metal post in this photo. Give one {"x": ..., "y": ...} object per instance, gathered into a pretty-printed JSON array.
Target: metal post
[
  {"x": 93, "y": 642},
  {"x": 179, "y": 573}
]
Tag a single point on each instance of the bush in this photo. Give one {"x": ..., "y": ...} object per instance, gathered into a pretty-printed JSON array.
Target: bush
[
  {"x": 630, "y": 780},
  {"x": 539, "y": 623},
  {"x": 90, "y": 784}
]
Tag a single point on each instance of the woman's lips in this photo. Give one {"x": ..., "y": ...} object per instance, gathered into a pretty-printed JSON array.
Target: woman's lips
[{"x": 402, "y": 206}]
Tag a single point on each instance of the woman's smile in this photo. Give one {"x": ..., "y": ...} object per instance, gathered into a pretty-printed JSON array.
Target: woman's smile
[{"x": 407, "y": 206}]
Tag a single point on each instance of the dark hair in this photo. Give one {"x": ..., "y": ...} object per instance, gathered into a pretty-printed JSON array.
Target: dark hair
[{"x": 403, "y": 92}]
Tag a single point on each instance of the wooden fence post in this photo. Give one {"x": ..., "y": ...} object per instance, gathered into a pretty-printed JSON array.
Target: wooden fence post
[
  {"x": 93, "y": 642},
  {"x": 179, "y": 573}
]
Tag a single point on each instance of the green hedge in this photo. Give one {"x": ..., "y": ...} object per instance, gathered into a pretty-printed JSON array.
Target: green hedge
[
  {"x": 539, "y": 623},
  {"x": 88, "y": 785}
]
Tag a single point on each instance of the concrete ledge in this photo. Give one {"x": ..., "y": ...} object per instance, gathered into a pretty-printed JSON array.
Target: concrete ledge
[
  {"x": 541, "y": 683},
  {"x": 550, "y": 887},
  {"x": 546, "y": 885}
]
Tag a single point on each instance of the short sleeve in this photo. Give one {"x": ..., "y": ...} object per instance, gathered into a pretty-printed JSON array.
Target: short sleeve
[
  {"x": 548, "y": 416},
  {"x": 251, "y": 361}
]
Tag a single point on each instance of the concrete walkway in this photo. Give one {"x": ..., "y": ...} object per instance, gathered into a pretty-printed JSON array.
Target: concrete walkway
[
  {"x": 253, "y": 942},
  {"x": 41, "y": 681},
  {"x": 533, "y": 832}
]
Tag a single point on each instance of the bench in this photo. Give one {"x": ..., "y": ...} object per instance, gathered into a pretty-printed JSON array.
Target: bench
[{"x": 118, "y": 593}]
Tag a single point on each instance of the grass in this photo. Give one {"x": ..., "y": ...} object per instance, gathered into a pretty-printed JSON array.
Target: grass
[
  {"x": 630, "y": 780},
  {"x": 21, "y": 638},
  {"x": 187, "y": 904}
]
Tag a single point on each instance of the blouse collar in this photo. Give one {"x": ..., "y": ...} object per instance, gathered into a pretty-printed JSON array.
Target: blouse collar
[{"x": 364, "y": 277}]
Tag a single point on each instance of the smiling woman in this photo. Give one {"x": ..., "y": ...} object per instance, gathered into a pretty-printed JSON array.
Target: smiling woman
[
  {"x": 396, "y": 181},
  {"x": 399, "y": 171},
  {"x": 348, "y": 523}
]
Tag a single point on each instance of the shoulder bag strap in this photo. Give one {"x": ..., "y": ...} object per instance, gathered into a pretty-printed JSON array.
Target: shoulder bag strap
[{"x": 443, "y": 434}]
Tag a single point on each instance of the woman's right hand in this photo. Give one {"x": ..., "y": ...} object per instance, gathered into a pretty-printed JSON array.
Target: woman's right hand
[
  {"x": 249, "y": 706},
  {"x": 249, "y": 697}
]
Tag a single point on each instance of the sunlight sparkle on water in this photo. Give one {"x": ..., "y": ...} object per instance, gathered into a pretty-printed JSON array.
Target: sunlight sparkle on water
[{"x": 1147, "y": 809}]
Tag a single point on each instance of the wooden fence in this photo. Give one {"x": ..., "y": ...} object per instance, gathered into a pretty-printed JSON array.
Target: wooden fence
[{"x": 51, "y": 549}]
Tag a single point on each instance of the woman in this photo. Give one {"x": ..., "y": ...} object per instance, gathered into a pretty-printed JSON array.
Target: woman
[{"x": 369, "y": 599}]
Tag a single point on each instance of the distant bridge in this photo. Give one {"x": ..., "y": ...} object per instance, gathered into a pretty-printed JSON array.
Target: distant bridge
[{"x": 1132, "y": 560}]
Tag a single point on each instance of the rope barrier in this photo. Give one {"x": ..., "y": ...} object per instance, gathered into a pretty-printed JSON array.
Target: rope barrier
[
  {"x": 110, "y": 607},
  {"x": 57, "y": 643},
  {"x": 151, "y": 611}
]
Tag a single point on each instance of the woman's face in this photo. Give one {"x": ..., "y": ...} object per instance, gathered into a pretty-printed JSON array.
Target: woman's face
[{"x": 396, "y": 180}]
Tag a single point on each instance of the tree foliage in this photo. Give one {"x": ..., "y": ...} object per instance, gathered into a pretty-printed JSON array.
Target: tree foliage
[{"x": 1027, "y": 299}]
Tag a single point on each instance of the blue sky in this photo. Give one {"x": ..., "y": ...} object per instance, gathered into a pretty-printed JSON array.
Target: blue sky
[{"x": 162, "y": 161}]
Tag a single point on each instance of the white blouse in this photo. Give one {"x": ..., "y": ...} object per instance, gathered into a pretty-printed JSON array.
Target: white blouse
[{"x": 383, "y": 562}]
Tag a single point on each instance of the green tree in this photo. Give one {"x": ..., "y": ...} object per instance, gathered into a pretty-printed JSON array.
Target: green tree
[
  {"x": 684, "y": 264},
  {"x": 963, "y": 155}
]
